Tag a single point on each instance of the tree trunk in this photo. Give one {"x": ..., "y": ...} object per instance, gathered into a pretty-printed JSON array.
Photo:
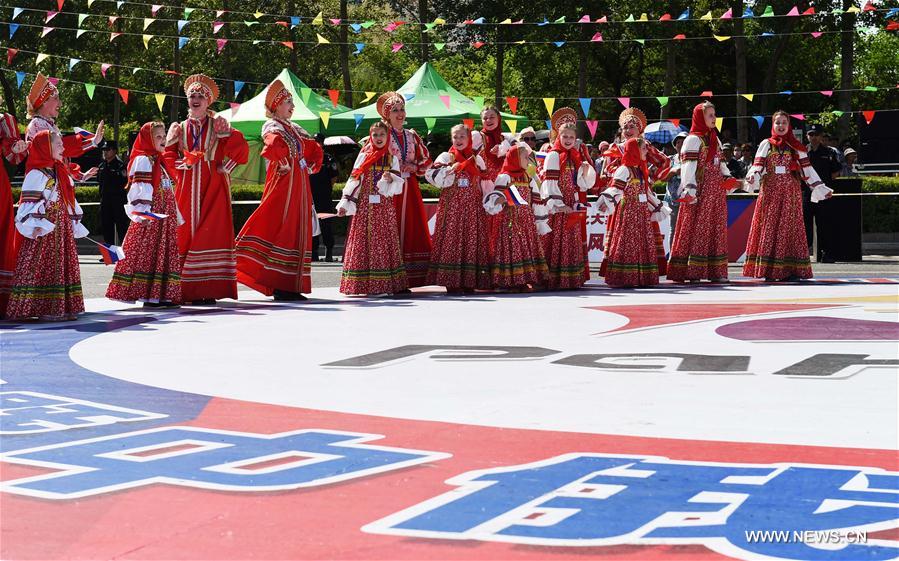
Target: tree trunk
[
  {"x": 740, "y": 54},
  {"x": 670, "y": 74},
  {"x": 847, "y": 67},
  {"x": 345, "y": 57},
  {"x": 422, "y": 18}
]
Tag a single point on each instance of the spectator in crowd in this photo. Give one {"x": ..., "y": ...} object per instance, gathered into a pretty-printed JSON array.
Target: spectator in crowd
[
  {"x": 849, "y": 158},
  {"x": 824, "y": 160},
  {"x": 112, "y": 178},
  {"x": 322, "y": 184},
  {"x": 834, "y": 143},
  {"x": 528, "y": 136},
  {"x": 733, "y": 164},
  {"x": 599, "y": 162},
  {"x": 748, "y": 154}
]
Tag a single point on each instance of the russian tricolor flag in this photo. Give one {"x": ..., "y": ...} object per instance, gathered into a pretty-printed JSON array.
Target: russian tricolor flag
[
  {"x": 111, "y": 253},
  {"x": 513, "y": 197},
  {"x": 149, "y": 215}
]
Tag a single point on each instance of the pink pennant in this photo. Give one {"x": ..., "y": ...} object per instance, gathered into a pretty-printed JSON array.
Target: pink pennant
[
  {"x": 46, "y": 30},
  {"x": 817, "y": 34},
  {"x": 396, "y": 47},
  {"x": 706, "y": 93},
  {"x": 335, "y": 21},
  {"x": 154, "y": 9},
  {"x": 477, "y": 44},
  {"x": 626, "y": 101},
  {"x": 591, "y": 126},
  {"x": 798, "y": 116},
  {"x": 112, "y": 20},
  {"x": 282, "y": 23},
  {"x": 334, "y": 95},
  {"x": 390, "y": 28},
  {"x": 446, "y": 100},
  {"x": 728, "y": 14},
  {"x": 597, "y": 38},
  {"x": 603, "y": 19},
  {"x": 827, "y": 93},
  {"x": 220, "y": 43},
  {"x": 793, "y": 12},
  {"x": 217, "y": 26},
  {"x": 584, "y": 19},
  {"x": 54, "y": 81},
  {"x": 288, "y": 44},
  {"x": 234, "y": 107},
  {"x": 113, "y": 36},
  {"x": 50, "y": 15},
  {"x": 869, "y": 116},
  {"x": 103, "y": 68},
  {"x": 519, "y": 22}
]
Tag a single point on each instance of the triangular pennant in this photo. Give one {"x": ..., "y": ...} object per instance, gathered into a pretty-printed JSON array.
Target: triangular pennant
[
  {"x": 591, "y": 126},
  {"x": 684, "y": 15},
  {"x": 81, "y": 18},
  {"x": 430, "y": 122},
  {"x": 603, "y": 19},
  {"x": 295, "y": 21},
  {"x": 558, "y": 43},
  {"x": 585, "y": 105},
  {"x": 368, "y": 95},
  {"x": 146, "y": 39},
  {"x": 837, "y": 113},
  {"x": 288, "y": 44},
  {"x": 238, "y": 85},
  {"x": 759, "y": 120},
  {"x": 357, "y": 27},
  {"x": 79, "y": 33},
  {"x": 584, "y": 19},
  {"x": 809, "y": 12},
  {"x": 217, "y": 26},
  {"x": 597, "y": 37},
  {"x": 182, "y": 41},
  {"x": 798, "y": 116},
  {"x": 721, "y": 37},
  {"x": 16, "y": 12},
  {"x": 769, "y": 12},
  {"x": 119, "y": 4},
  {"x": 334, "y": 95},
  {"x": 869, "y": 116},
  {"x": 827, "y": 93},
  {"x": 707, "y": 16},
  {"x": 181, "y": 24},
  {"x": 154, "y": 9},
  {"x": 748, "y": 96},
  {"x": 46, "y": 30},
  {"x": 220, "y": 44},
  {"x": 641, "y": 41},
  {"x": 793, "y": 12},
  {"x": 304, "y": 95},
  {"x": 188, "y": 12},
  {"x": 643, "y": 17},
  {"x": 870, "y": 88},
  {"x": 135, "y": 69},
  {"x": 147, "y": 22},
  {"x": 663, "y": 100},
  {"x": 706, "y": 93},
  {"x": 469, "y": 123},
  {"x": 786, "y": 92},
  {"x": 439, "y": 46},
  {"x": 258, "y": 15},
  {"x": 160, "y": 100},
  {"x": 665, "y": 17},
  {"x": 852, "y": 10},
  {"x": 104, "y": 67},
  {"x": 396, "y": 47},
  {"x": 625, "y": 101},
  {"x": 318, "y": 20},
  {"x": 326, "y": 116},
  {"x": 359, "y": 47},
  {"x": 13, "y": 27},
  {"x": 321, "y": 40},
  {"x": 549, "y": 102},
  {"x": 816, "y": 34},
  {"x": 41, "y": 57},
  {"x": 358, "y": 118},
  {"x": 748, "y": 13},
  {"x": 446, "y": 100},
  {"x": 560, "y": 20},
  {"x": 728, "y": 14},
  {"x": 549, "y": 124},
  {"x": 113, "y": 36},
  {"x": 123, "y": 93},
  {"x": 679, "y": 37},
  {"x": 630, "y": 18},
  {"x": 513, "y": 104},
  {"x": 512, "y": 124},
  {"x": 869, "y": 7},
  {"x": 50, "y": 15},
  {"x": 20, "y": 77},
  {"x": 59, "y": 4},
  {"x": 367, "y": 24},
  {"x": 675, "y": 122},
  {"x": 718, "y": 122},
  {"x": 112, "y": 20},
  {"x": 73, "y": 62}
]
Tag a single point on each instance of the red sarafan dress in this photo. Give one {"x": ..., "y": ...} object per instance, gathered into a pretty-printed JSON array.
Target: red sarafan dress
[
  {"x": 777, "y": 248},
  {"x": 415, "y": 238},
  {"x": 515, "y": 247},
  {"x": 202, "y": 161},
  {"x": 460, "y": 258},
  {"x": 631, "y": 258},
  {"x": 47, "y": 281},
  {"x": 699, "y": 249},
  {"x": 9, "y": 135},
  {"x": 274, "y": 248},
  {"x": 373, "y": 258},
  {"x": 151, "y": 269},
  {"x": 564, "y": 246}
]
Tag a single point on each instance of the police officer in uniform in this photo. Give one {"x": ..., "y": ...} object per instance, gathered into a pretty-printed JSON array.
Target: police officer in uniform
[
  {"x": 826, "y": 164},
  {"x": 112, "y": 178}
]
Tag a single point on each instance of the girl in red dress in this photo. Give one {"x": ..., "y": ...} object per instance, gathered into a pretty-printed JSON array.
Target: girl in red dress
[
  {"x": 47, "y": 281},
  {"x": 414, "y": 160},
  {"x": 631, "y": 258},
  {"x": 490, "y": 143},
  {"x": 699, "y": 249},
  {"x": 151, "y": 269},
  {"x": 777, "y": 248},
  {"x": 274, "y": 248},
  {"x": 373, "y": 259},
  {"x": 13, "y": 148},
  {"x": 460, "y": 258},
  {"x": 517, "y": 253},
  {"x": 566, "y": 174}
]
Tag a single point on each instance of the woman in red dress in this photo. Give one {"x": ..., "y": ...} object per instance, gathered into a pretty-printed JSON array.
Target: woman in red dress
[
  {"x": 151, "y": 269},
  {"x": 13, "y": 148},
  {"x": 203, "y": 151},
  {"x": 414, "y": 160},
  {"x": 460, "y": 259},
  {"x": 566, "y": 174},
  {"x": 777, "y": 248},
  {"x": 631, "y": 258},
  {"x": 47, "y": 281},
  {"x": 699, "y": 249},
  {"x": 373, "y": 259},
  {"x": 274, "y": 248},
  {"x": 517, "y": 261}
]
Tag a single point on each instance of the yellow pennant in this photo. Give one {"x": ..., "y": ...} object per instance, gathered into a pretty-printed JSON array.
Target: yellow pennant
[
  {"x": 440, "y": 21},
  {"x": 40, "y": 58},
  {"x": 707, "y": 16},
  {"x": 748, "y": 96},
  {"x": 325, "y": 115},
  {"x": 322, "y": 40},
  {"x": 318, "y": 20},
  {"x": 160, "y": 99},
  {"x": 368, "y": 95},
  {"x": 522, "y": 42},
  {"x": 147, "y": 41},
  {"x": 258, "y": 15},
  {"x": 718, "y": 122},
  {"x": 147, "y": 22},
  {"x": 513, "y": 125},
  {"x": 853, "y": 10},
  {"x": 550, "y": 102},
  {"x": 507, "y": 21},
  {"x": 89, "y": 2},
  {"x": 643, "y": 17},
  {"x": 721, "y": 37}
]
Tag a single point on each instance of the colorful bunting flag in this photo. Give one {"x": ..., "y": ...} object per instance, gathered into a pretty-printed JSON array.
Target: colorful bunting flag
[
  {"x": 675, "y": 122},
  {"x": 123, "y": 93},
  {"x": 549, "y": 102},
  {"x": 721, "y": 37},
  {"x": 469, "y": 123},
  {"x": 585, "y": 105},
  {"x": 827, "y": 93},
  {"x": 103, "y": 68},
  {"x": 679, "y": 37},
  {"x": 41, "y": 57},
  {"x": 20, "y": 77},
  {"x": 160, "y": 100},
  {"x": 597, "y": 37},
  {"x": 706, "y": 93},
  {"x": 182, "y": 41},
  {"x": 663, "y": 101},
  {"x": 147, "y": 22},
  {"x": 707, "y": 16},
  {"x": 326, "y": 116},
  {"x": 73, "y": 62},
  {"x": 513, "y": 104},
  {"x": 318, "y": 20},
  {"x": 16, "y": 12},
  {"x": 625, "y": 101},
  {"x": 154, "y": 9},
  {"x": 748, "y": 96},
  {"x": 359, "y": 47},
  {"x": 358, "y": 118},
  {"x": 837, "y": 113},
  {"x": 13, "y": 27},
  {"x": 146, "y": 39},
  {"x": 446, "y": 100},
  {"x": 46, "y": 30},
  {"x": 334, "y": 95},
  {"x": 728, "y": 14},
  {"x": 220, "y": 44},
  {"x": 396, "y": 47},
  {"x": 793, "y": 12},
  {"x": 288, "y": 44},
  {"x": 439, "y": 46},
  {"x": 798, "y": 116},
  {"x": 430, "y": 122},
  {"x": 217, "y": 26},
  {"x": 322, "y": 40},
  {"x": 368, "y": 95},
  {"x": 719, "y": 121},
  {"x": 591, "y": 126},
  {"x": 768, "y": 12},
  {"x": 684, "y": 15},
  {"x": 759, "y": 120},
  {"x": 869, "y": 116},
  {"x": 512, "y": 124}
]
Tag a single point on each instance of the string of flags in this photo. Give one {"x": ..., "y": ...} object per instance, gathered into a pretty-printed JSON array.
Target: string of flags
[
  {"x": 357, "y": 26},
  {"x": 325, "y": 116}
]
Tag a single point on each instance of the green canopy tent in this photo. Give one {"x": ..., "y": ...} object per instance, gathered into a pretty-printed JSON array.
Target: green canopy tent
[
  {"x": 250, "y": 117},
  {"x": 432, "y": 104}
]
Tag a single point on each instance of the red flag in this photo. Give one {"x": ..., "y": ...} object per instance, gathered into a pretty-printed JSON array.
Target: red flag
[
  {"x": 59, "y": 4},
  {"x": 513, "y": 104},
  {"x": 288, "y": 44},
  {"x": 124, "y": 93},
  {"x": 706, "y": 93},
  {"x": 869, "y": 7},
  {"x": 11, "y": 54},
  {"x": 809, "y": 12},
  {"x": 675, "y": 122},
  {"x": 665, "y": 17},
  {"x": 680, "y": 37},
  {"x": 334, "y": 95},
  {"x": 869, "y": 116},
  {"x": 469, "y": 123},
  {"x": 477, "y": 44}
]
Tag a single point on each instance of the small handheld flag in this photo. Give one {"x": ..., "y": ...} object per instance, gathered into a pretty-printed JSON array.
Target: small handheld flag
[
  {"x": 111, "y": 254},
  {"x": 149, "y": 215},
  {"x": 513, "y": 197}
]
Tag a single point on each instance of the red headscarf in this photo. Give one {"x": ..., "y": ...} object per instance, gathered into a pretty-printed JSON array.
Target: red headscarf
[
  {"x": 144, "y": 146},
  {"x": 492, "y": 138},
  {"x": 789, "y": 139},
  {"x": 572, "y": 154},
  {"x": 40, "y": 157},
  {"x": 633, "y": 159},
  {"x": 512, "y": 164},
  {"x": 466, "y": 158},
  {"x": 699, "y": 128},
  {"x": 373, "y": 155}
]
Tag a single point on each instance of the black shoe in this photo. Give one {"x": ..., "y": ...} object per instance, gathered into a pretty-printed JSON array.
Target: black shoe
[
  {"x": 152, "y": 305},
  {"x": 287, "y": 296},
  {"x": 315, "y": 257},
  {"x": 329, "y": 256},
  {"x": 204, "y": 302}
]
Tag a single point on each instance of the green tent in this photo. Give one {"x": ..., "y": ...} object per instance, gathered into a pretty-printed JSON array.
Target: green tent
[
  {"x": 250, "y": 117},
  {"x": 432, "y": 104}
]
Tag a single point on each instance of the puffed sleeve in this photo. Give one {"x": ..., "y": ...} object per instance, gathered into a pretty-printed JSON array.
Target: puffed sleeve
[
  {"x": 586, "y": 176},
  {"x": 609, "y": 199},
  {"x": 140, "y": 191},
  {"x": 78, "y": 229},
  {"x": 486, "y": 183},
  {"x": 350, "y": 195},
  {"x": 391, "y": 184},
  {"x": 659, "y": 211},
  {"x": 441, "y": 173},
  {"x": 312, "y": 155},
  {"x": 538, "y": 207},
  {"x": 232, "y": 151},
  {"x": 689, "y": 157},
  {"x": 820, "y": 191},
  {"x": 549, "y": 189},
  {"x": 758, "y": 168},
  {"x": 495, "y": 200},
  {"x": 31, "y": 217}
]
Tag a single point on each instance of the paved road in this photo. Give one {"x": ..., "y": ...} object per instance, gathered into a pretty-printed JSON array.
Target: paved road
[{"x": 95, "y": 276}]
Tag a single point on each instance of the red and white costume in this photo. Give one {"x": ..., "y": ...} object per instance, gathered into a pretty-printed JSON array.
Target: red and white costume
[
  {"x": 9, "y": 138},
  {"x": 373, "y": 258},
  {"x": 74, "y": 145},
  {"x": 151, "y": 269},
  {"x": 699, "y": 249},
  {"x": 409, "y": 148},
  {"x": 777, "y": 247},
  {"x": 202, "y": 160}
]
